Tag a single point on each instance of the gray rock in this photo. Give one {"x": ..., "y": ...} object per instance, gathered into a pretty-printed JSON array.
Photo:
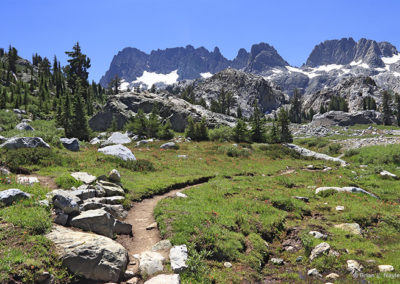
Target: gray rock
[
  {"x": 344, "y": 189},
  {"x": 83, "y": 177},
  {"x": 302, "y": 198},
  {"x": 277, "y": 261},
  {"x": 299, "y": 259},
  {"x": 23, "y": 126},
  {"x": 385, "y": 268},
  {"x": 180, "y": 194},
  {"x": 98, "y": 221},
  {"x": 162, "y": 245},
  {"x": 71, "y": 144},
  {"x": 322, "y": 248},
  {"x": 150, "y": 263},
  {"x": 61, "y": 219},
  {"x": 96, "y": 141},
  {"x": 27, "y": 180},
  {"x": 164, "y": 279},
  {"x": 353, "y": 228},
  {"x": 84, "y": 193},
  {"x": 388, "y": 174},
  {"x": 308, "y": 153},
  {"x": 112, "y": 200},
  {"x": 24, "y": 142},
  {"x": 119, "y": 151},
  {"x": 117, "y": 211},
  {"x": 122, "y": 228},
  {"x": 227, "y": 264},
  {"x": 354, "y": 267},
  {"x": 7, "y": 197},
  {"x": 114, "y": 176},
  {"x": 318, "y": 235},
  {"x": 332, "y": 276},
  {"x": 89, "y": 255},
  {"x": 339, "y": 208},
  {"x": 117, "y": 138},
  {"x": 111, "y": 189},
  {"x": 169, "y": 145},
  {"x": 152, "y": 226},
  {"x": 65, "y": 201},
  {"x": 178, "y": 256},
  {"x": 313, "y": 272},
  {"x": 340, "y": 118}
]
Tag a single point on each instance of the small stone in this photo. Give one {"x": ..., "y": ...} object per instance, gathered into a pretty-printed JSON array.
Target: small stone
[
  {"x": 164, "y": 279},
  {"x": 150, "y": 263},
  {"x": 385, "y": 268},
  {"x": 25, "y": 180},
  {"x": 61, "y": 219},
  {"x": 318, "y": 235},
  {"x": 182, "y": 195},
  {"x": 277, "y": 261},
  {"x": 169, "y": 145},
  {"x": 114, "y": 176},
  {"x": 152, "y": 226},
  {"x": 129, "y": 274},
  {"x": 162, "y": 245},
  {"x": 310, "y": 167},
  {"x": 178, "y": 256},
  {"x": 4, "y": 171},
  {"x": 313, "y": 272},
  {"x": 388, "y": 174},
  {"x": 182, "y": 156},
  {"x": 333, "y": 253},
  {"x": 133, "y": 280},
  {"x": 339, "y": 208},
  {"x": 353, "y": 228},
  {"x": 320, "y": 249},
  {"x": 332, "y": 276},
  {"x": 305, "y": 199},
  {"x": 299, "y": 259},
  {"x": 353, "y": 266},
  {"x": 227, "y": 264}
]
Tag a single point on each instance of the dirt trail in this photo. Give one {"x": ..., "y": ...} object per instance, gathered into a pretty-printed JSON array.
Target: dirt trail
[{"x": 141, "y": 216}]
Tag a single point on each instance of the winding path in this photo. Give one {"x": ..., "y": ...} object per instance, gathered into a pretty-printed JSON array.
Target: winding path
[{"x": 140, "y": 216}]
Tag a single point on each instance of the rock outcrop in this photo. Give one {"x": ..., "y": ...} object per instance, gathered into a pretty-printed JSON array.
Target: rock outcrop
[
  {"x": 125, "y": 105},
  {"x": 340, "y": 118},
  {"x": 24, "y": 142},
  {"x": 7, "y": 197}
]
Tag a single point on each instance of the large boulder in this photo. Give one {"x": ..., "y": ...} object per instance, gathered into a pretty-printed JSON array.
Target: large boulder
[
  {"x": 71, "y": 144},
  {"x": 89, "y": 255},
  {"x": 119, "y": 151},
  {"x": 117, "y": 138},
  {"x": 24, "y": 127},
  {"x": 124, "y": 106},
  {"x": 340, "y": 118},
  {"x": 24, "y": 142},
  {"x": 114, "y": 175},
  {"x": 7, "y": 197},
  {"x": 98, "y": 221},
  {"x": 350, "y": 189}
]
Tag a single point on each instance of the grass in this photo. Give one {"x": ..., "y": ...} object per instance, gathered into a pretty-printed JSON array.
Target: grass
[{"x": 241, "y": 215}]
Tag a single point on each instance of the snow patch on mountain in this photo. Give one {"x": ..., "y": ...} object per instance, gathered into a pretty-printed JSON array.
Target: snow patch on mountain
[
  {"x": 360, "y": 64},
  {"x": 391, "y": 60},
  {"x": 151, "y": 78},
  {"x": 206, "y": 75}
]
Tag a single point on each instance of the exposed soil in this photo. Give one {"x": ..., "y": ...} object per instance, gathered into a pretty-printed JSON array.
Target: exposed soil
[{"x": 141, "y": 216}]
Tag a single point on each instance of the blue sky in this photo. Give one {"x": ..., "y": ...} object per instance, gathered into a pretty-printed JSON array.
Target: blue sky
[{"x": 104, "y": 27}]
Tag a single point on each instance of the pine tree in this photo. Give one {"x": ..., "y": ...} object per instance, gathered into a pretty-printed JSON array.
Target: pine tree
[
  {"x": 295, "y": 109},
  {"x": 240, "y": 133},
  {"x": 139, "y": 126},
  {"x": 273, "y": 136},
  {"x": 153, "y": 124},
  {"x": 239, "y": 112},
  {"x": 397, "y": 100},
  {"x": 66, "y": 116},
  {"x": 114, "y": 124},
  {"x": 283, "y": 124},
  {"x": 322, "y": 109},
  {"x": 257, "y": 125},
  {"x": 201, "y": 130},
  {"x": 3, "y": 99},
  {"x": 165, "y": 131},
  {"x": 190, "y": 130},
  {"x": 387, "y": 113},
  {"x": 79, "y": 123}
]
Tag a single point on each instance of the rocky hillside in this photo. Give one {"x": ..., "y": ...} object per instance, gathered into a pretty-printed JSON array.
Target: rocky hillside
[
  {"x": 246, "y": 89},
  {"x": 125, "y": 105}
]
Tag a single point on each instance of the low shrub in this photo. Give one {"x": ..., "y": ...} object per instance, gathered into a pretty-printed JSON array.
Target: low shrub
[
  {"x": 221, "y": 134},
  {"x": 327, "y": 193},
  {"x": 66, "y": 181},
  {"x": 276, "y": 151},
  {"x": 14, "y": 159},
  {"x": 232, "y": 151},
  {"x": 334, "y": 149},
  {"x": 351, "y": 152}
]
